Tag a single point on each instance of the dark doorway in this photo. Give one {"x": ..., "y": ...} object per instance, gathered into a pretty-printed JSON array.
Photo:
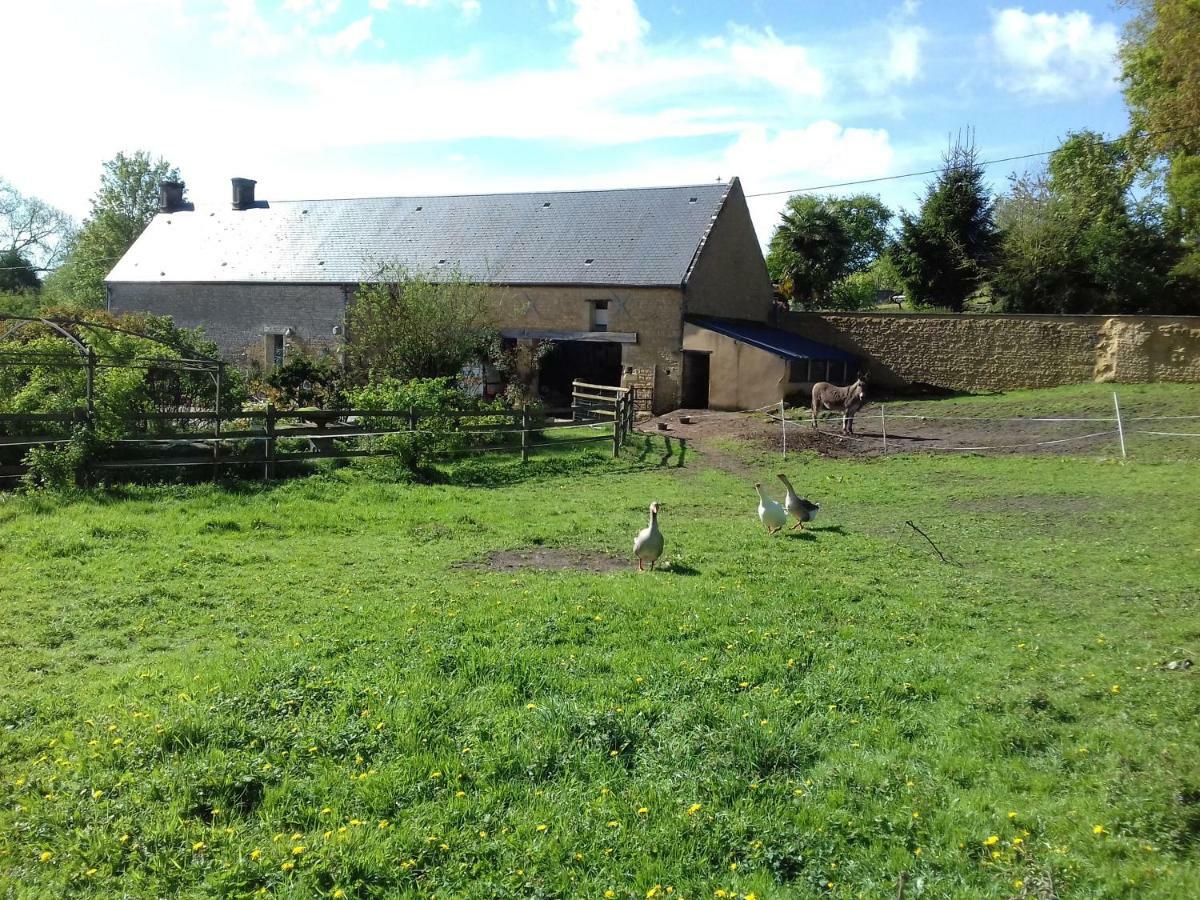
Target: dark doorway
[
  {"x": 596, "y": 362},
  {"x": 695, "y": 380}
]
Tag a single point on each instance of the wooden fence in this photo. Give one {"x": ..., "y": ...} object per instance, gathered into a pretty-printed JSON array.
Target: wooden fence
[{"x": 227, "y": 442}]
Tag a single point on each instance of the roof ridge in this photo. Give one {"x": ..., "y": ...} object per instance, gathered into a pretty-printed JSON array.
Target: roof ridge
[{"x": 724, "y": 185}]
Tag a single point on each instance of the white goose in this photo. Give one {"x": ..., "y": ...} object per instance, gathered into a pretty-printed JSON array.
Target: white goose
[
  {"x": 798, "y": 508},
  {"x": 648, "y": 545},
  {"x": 770, "y": 512}
]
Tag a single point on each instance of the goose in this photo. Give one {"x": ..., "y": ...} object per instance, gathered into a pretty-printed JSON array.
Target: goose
[
  {"x": 648, "y": 545},
  {"x": 800, "y": 509},
  {"x": 770, "y": 512}
]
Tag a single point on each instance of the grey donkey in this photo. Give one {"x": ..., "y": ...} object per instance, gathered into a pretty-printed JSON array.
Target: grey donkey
[{"x": 846, "y": 400}]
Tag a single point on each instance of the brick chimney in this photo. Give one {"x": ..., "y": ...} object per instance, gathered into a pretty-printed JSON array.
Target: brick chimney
[
  {"x": 243, "y": 193},
  {"x": 170, "y": 196}
]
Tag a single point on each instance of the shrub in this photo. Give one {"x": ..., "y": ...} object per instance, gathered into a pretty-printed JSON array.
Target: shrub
[{"x": 431, "y": 399}]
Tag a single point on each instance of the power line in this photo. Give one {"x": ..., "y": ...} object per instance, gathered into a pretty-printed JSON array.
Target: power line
[{"x": 989, "y": 162}]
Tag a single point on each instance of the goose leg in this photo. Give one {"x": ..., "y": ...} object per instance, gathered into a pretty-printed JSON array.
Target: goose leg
[{"x": 640, "y": 567}]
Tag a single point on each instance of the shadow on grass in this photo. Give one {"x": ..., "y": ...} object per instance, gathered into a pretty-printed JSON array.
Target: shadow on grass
[
  {"x": 677, "y": 568},
  {"x": 832, "y": 529},
  {"x": 801, "y": 536}
]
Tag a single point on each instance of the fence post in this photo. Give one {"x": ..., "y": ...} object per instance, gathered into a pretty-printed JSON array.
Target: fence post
[
  {"x": 217, "y": 426},
  {"x": 783, "y": 423},
  {"x": 1120, "y": 425},
  {"x": 412, "y": 418},
  {"x": 524, "y": 433},
  {"x": 90, "y": 386},
  {"x": 618, "y": 412},
  {"x": 269, "y": 444},
  {"x": 883, "y": 424}
]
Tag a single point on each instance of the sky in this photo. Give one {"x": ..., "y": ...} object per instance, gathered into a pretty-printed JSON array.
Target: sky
[{"x": 350, "y": 98}]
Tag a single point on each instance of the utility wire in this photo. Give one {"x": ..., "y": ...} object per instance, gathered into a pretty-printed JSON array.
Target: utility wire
[{"x": 988, "y": 162}]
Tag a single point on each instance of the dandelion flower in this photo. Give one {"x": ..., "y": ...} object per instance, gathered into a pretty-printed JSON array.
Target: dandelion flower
[
  {"x": 255, "y": 853},
  {"x": 339, "y": 894},
  {"x": 1099, "y": 829},
  {"x": 693, "y": 809},
  {"x": 654, "y": 891},
  {"x": 296, "y": 835},
  {"x": 46, "y": 856},
  {"x": 1012, "y": 815},
  {"x": 1116, "y": 689},
  {"x": 610, "y": 893},
  {"x": 992, "y": 841},
  {"x": 288, "y": 866},
  {"x": 296, "y": 851},
  {"x": 198, "y": 846},
  {"x": 642, "y": 810},
  {"x": 97, "y": 794},
  {"x": 326, "y": 811},
  {"x": 1018, "y": 883},
  {"x": 542, "y": 827}
]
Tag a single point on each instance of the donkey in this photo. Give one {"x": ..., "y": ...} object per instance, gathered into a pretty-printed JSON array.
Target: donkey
[{"x": 847, "y": 400}]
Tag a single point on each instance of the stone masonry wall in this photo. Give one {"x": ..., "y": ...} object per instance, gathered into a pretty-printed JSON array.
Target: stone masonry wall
[{"x": 981, "y": 352}]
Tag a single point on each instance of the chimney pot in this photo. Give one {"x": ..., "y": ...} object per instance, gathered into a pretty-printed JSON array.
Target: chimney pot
[
  {"x": 243, "y": 193},
  {"x": 170, "y": 196}
]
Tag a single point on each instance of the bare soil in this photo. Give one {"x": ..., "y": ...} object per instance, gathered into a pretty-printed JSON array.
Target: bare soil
[
  {"x": 547, "y": 559},
  {"x": 904, "y": 435}
]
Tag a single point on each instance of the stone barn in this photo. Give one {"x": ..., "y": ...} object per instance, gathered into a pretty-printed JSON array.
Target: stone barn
[{"x": 609, "y": 275}]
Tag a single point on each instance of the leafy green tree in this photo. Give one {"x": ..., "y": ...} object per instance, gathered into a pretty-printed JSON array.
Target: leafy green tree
[
  {"x": 944, "y": 253},
  {"x": 404, "y": 325},
  {"x": 1077, "y": 239},
  {"x": 1160, "y": 57},
  {"x": 823, "y": 240},
  {"x": 121, "y": 210},
  {"x": 17, "y": 273}
]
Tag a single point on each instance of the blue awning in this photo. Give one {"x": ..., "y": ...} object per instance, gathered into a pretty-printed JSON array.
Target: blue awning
[{"x": 785, "y": 344}]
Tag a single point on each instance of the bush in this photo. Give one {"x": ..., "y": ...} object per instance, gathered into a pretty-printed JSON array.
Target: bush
[
  {"x": 305, "y": 382},
  {"x": 58, "y": 467},
  {"x": 430, "y": 399}
]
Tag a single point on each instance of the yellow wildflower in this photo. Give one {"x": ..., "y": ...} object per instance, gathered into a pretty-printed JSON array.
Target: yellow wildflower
[
  {"x": 339, "y": 894},
  {"x": 642, "y": 810},
  {"x": 542, "y": 827},
  {"x": 288, "y": 866},
  {"x": 1099, "y": 829},
  {"x": 296, "y": 851},
  {"x": 198, "y": 846},
  {"x": 693, "y": 809},
  {"x": 46, "y": 856},
  {"x": 610, "y": 893},
  {"x": 1012, "y": 815},
  {"x": 325, "y": 810},
  {"x": 255, "y": 853},
  {"x": 992, "y": 841}
]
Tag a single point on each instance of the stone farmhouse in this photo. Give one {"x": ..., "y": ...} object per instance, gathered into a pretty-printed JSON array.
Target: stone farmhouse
[{"x": 628, "y": 283}]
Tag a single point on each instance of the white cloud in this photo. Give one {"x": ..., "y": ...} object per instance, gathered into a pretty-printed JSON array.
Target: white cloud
[
  {"x": 763, "y": 56},
  {"x": 313, "y": 11},
  {"x": 1055, "y": 55},
  {"x": 904, "y": 53},
  {"x": 606, "y": 28},
  {"x": 247, "y": 30},
  {"x": 348, "y": 39}
]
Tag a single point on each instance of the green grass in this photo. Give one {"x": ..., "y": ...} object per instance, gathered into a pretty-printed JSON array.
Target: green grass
[{"x": 195, "y": 682}]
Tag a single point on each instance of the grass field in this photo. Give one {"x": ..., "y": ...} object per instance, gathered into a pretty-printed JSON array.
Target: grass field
[{"x": 309, "y": 689}]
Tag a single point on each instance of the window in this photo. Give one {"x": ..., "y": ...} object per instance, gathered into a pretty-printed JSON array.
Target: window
[
  {"x": 797, "y": 371},
  {"x": 273, "y": 348},
  {"x": 599, "y": 315}
]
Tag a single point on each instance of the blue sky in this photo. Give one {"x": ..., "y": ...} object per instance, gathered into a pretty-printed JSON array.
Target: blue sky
[{"x": 337, "y": 98}]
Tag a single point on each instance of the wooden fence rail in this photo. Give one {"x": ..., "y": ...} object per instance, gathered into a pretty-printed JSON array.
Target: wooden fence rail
[{"x": 326, "y": 430}]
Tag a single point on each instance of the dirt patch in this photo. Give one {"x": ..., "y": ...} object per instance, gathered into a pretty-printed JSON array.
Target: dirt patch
[
  {"x": 547, "y": 559},
  {"x": 904, "y": 435}
]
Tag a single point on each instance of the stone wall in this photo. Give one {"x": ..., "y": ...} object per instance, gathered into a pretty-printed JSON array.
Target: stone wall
[
  {"x": 238, "y": 317},
  {"x": 982, "y": 352}
]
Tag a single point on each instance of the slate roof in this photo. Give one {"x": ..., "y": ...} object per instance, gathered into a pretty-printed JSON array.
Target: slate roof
[
  {"x": 634, "y": 237},
  {"x": 786, "y": 344}
]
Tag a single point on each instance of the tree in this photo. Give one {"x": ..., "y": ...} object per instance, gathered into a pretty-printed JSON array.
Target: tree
[
  {"x": 121, "y": 210},
  {"x": 404, "y": 325},
  {"x": 943, "y": 254},
  {"x": 822, "y": 240},
  {"x": 17, "y": 273},
  {"x": 32, "y": 229},
  {"x": 1160, "y": 57},
  {"x": 1076, "y": 239}
]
